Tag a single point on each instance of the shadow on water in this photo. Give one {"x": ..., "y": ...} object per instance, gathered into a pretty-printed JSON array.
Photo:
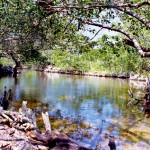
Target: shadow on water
[{"x": 7, "y": 96}]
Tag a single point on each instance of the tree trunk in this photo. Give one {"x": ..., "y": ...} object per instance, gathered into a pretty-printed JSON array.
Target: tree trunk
[
  {"x": 148, "y": 84},
  {"x": 17, "y": 64},
  {"x": 15, "y": 72}
]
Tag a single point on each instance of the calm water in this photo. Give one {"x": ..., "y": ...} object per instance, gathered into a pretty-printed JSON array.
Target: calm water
[{"x": 99, "y": 101}]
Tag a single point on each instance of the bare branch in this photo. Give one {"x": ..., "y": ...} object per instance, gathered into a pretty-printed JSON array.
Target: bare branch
[
  {"x": 9, "y": 1},
  {"x": 96, "y": 34},
  {"x": 68, "y": 25},
  {"x": 130, "y": 93}
]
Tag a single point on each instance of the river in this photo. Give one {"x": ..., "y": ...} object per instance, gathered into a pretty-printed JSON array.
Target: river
[{"x": 99, "y": 103}]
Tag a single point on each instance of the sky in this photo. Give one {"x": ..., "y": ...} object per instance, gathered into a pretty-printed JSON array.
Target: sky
[
  {"x": 99, "y": 35},
  {"x": 103, "y": 14}
]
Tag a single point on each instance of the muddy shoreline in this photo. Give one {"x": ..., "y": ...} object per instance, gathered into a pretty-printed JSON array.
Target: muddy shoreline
[{"x": 8, "y": 70}]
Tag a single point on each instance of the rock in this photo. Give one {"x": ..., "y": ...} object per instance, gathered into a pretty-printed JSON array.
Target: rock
[
  {"x": 137, "y": 84},
  {"x": 137, "y": 77},
  {"x": 73, "y": 71},
  {"x": 42, "y": 147},
  {"x": 114, "y": 75},
  {"x": 16, "y": 132},
  {"x": 6, "y": 70},
  {"x": 112, "y": 144},
  {"x": 123, "y": 75}
]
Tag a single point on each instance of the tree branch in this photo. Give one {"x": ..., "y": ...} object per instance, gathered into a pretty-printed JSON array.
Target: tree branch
[
  {"x": 119, "y": 6},
  {"x": 104, "y": 5},
  {"x": 68, "y": 25},
  {"x": 130, "y": 43},
  {"x": 3, "y": 55},
  {"x": 10, "y": 39},
  {"x": 135, "y": 42},
  {"x": 135, "y": 15},
  {"x": 96, "y": 34}
]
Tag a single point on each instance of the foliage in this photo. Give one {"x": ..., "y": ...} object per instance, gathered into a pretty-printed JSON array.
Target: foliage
[
  {"x": 125, "y": 17},
  {"x": 111, "y": 55},
  {"x": 6, "y": 61},
  {"x": 48, "y": 31},
  {"x": 26, "y": 31}
]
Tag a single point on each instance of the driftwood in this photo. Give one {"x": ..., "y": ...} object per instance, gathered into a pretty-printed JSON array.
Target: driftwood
[
  {"x": 144, "y": 101},
  {"x": 46, "y": 121},
  {"x": 17, "y": 131}
]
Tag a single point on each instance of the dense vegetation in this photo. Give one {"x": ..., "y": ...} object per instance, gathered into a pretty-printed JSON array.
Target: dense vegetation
[
  {"x": 51, "y": 32},
  {"x": 106, "y": 56}
]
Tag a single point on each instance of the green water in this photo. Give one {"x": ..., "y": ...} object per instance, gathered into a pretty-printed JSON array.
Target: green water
[{"x": 101, "y": 102}]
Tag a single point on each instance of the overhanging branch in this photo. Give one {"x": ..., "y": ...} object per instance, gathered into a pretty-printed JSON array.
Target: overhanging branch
[
  {"x": 130, "y": 43},
  {"x": 135, "y": 42},
  {"x": 47, "y": 6},
  {"x": 135, "y": 15},
  {"x": 96, "y": 34},
  {"x": 61, "y": 8},
  {"x": 100, "y": 4}
]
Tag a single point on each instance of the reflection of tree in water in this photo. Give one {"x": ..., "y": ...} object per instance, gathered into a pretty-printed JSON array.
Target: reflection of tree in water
[
  {"x": 7, "y": 96},
  {"x": 94, "y": 94},
  {"x": 16, "y": 88},
  {"x": 16, "y": 82}
]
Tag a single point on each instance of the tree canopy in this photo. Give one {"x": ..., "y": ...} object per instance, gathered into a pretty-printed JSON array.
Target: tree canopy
[
  {"x": 26, "y": 31},
  {"x": 30, "y": 27},
  {"x": 133, "y": 15}
]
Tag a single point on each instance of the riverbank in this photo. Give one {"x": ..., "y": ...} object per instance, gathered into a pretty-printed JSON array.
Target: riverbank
[
  {"x": 52, "y": 69},
  {"x": 8, "y": 70},
  {"x": 123, "y": 75},
  {"x": 18, "y": 132}
]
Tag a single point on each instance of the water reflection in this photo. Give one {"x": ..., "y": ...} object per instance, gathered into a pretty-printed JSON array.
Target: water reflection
[{"x": 101, "y": 102}]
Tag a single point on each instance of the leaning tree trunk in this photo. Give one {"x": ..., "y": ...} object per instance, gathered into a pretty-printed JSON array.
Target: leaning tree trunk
[
  {"x": 17, "y": 64},
  {"x": 15, "y": 71}
]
